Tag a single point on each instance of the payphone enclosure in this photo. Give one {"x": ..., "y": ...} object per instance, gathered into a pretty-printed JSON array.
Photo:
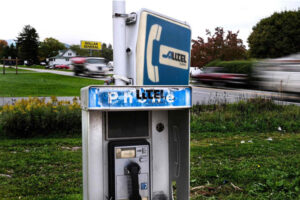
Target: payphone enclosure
[{"x": 117, "y": 140}]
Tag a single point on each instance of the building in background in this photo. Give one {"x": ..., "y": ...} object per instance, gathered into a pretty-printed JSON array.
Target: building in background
[{"x": 63, "y": 58}]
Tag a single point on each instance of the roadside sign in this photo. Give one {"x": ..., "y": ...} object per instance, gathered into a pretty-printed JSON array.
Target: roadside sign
[
  {"x": 163, "y": 50},
  {"x": 138, "y": 98},
  {"x": 90, "y": 45}
]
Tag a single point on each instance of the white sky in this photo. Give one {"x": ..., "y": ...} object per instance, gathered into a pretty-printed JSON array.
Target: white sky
[{"x": 70, "y": 21}]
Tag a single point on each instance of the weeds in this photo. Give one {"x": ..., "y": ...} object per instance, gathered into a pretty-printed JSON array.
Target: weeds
[
  {"x": 253, "y": 115},
  {"x": 36, "y": 117}
]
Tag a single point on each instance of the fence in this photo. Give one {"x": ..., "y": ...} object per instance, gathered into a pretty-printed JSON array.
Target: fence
[{"x": 10, "y": 61}]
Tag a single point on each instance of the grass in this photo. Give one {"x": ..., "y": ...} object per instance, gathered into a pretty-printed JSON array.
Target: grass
[
  {"x": 43, "y": 67},
  {"x": 262, "y": 169},
  {"x": 254, "y": 115},
  {"x": 42, "y": 84},
  {"x": 228, "y": 164},
  {"x": 40, "y": 169},
  {"x": 12, "y": 70},
  {"x": 260, "y": 166}
]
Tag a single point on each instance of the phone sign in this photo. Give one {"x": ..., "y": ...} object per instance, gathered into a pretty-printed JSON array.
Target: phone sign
[{"x": 163, "y": 56}]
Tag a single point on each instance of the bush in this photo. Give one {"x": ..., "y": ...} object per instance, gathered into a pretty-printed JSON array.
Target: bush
[
  {"x": 235, "y": 66},
  {"x": 36, "y": 117},
  {"x": 254, "y": 115}
]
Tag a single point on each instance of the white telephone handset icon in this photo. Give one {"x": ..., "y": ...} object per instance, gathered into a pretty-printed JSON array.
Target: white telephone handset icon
[{"x": 154, "y": 34}]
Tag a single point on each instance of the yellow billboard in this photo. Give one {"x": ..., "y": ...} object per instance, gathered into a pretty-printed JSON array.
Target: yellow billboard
[{"x": 90, "y": 45}]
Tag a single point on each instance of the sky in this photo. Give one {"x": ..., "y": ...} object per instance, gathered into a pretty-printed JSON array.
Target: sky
[{"x": 70, "y": 21}]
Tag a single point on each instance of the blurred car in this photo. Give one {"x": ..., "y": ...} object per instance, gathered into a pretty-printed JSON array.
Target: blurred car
[
  {"x": 90, "y": 66},
  {"x": 280, "y": 75},
  {"x": 110, "y": 65},
  {"x": 219, "y": 76},
  {"x": 61, "y": 67},
  {"x": 194, "y": 71},
  {"x": 50, "y": 66}
]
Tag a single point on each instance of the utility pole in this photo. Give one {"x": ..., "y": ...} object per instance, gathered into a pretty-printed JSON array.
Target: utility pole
[{"x": 119, "y": 44}]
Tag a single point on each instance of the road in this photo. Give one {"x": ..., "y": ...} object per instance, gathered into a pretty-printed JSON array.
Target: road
[
  {"x": 208, "y": 95},
  {"x": 202, "y": 94},
  {"x": 59, "y": 72}
]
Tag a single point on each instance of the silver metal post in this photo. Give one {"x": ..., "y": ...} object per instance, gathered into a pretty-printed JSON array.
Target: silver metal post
[{"x": 119, "y": 44}]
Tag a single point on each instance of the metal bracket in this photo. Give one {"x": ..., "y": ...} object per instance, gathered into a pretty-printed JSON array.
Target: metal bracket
[
  {"x": 125, "y": 79},
  {"x": 131, "y": 19},
  {"x": 120, "y": 15}
]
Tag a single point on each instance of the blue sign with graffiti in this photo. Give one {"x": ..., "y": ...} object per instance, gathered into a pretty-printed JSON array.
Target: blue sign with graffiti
[
  {"x": 108, "y": 98},
  {"x": 167, "y": 52}
]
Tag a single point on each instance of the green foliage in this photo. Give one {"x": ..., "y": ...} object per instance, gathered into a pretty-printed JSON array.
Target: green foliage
[
  {"x": 255, "y": 115},
  {"x": 49, "y": 48},
  {"x": 3, "y": 45},
  {"x": 106, "y": 52},
  {"x": 34, "y": 117},
  {"x": 236, "y": 66},
  {"x": 31, "y": 83},
  {"x": 10, "y": 51},
  {"x": 41, "y": 169},
  {"x": 261, "y": 168},
  {"x": 28, "y": 44},
  {"x": 276, "y": 36}
]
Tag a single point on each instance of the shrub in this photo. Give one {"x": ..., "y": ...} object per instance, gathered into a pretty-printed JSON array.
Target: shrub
[
  {"x": 254, "y": 115},
  {"x": 36, "y": 117},
  {"x": 235, "y": 66}
]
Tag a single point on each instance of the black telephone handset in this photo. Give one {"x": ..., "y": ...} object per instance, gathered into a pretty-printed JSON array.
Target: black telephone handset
[{"x": 134, "y": 170}]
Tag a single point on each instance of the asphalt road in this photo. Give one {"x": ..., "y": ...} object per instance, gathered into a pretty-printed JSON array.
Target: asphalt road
[
  {"x": 59, "y": 72},
  {"x": 202, "y": 94},
  {"x": 207, "y": 95}
]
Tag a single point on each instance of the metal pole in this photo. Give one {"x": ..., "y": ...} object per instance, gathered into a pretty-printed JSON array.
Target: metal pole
[{"x": 119, "y": 45}]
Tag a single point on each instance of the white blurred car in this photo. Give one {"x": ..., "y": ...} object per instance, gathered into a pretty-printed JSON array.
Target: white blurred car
[
  {"x": 90, "y": 66},
  {"x": 280, "y": 75},
  {"x": 194, "y": 71}
]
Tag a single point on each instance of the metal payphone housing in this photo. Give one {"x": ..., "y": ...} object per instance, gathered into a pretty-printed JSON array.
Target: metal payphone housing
[{"x": 164, "y": 130}]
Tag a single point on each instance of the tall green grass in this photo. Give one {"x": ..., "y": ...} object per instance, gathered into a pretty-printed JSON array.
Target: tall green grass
[{"x": 254, "y": 115}]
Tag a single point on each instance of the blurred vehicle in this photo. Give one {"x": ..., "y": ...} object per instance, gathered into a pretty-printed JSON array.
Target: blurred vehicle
[
  {"x": 110, "y": 65},
  {"x": 195, "y": 71},
  {"x": 61, "y": 67},
  {"x": 43, "y": 63},
  {"x": 50, "y": 66},
  {"x": 280, "y": 75},
  {"x": 219, "y": 76},
  {"x": 90, "y": 66}
]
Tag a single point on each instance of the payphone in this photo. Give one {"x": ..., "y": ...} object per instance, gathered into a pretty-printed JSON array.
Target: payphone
[
  {"x": 135, "y": 142},
  {"x": 129, "y": 175},
  {"x": 135, "y": 138}
]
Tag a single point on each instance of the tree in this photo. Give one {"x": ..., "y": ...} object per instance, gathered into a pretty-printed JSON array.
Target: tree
[
  {"x": 27, "y": 44},
  {"x": 10, "y": 51},
  {"x": 106, "y": 52},
  {"x": 49, "y": 48},
  {"x": 217, "y": 46},
  {"x": 3, "y": 44},
  {"x": 276, "y": 36}
]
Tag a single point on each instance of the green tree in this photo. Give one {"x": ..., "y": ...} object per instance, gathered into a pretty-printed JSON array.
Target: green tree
[
  {"x": 3, "y": 45},
  {"x": 276, "y": 36},
  {"x": 10, "y": 51},
  {"x": 106, "y": 52},
  {"x": 79, "y": 51},
  {"x": 28, "y": 44},
  {"x": 49, "y": 48},
  {"x": 220, "y": 46}
]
